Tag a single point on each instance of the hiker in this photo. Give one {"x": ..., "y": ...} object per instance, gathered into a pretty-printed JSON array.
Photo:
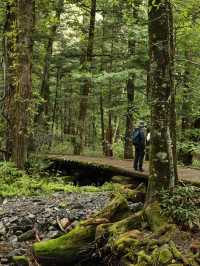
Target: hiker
[{"x": 139, "y": 143}]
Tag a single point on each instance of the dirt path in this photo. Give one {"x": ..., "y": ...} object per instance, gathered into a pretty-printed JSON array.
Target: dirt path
[{"x": 185, "y": 173}]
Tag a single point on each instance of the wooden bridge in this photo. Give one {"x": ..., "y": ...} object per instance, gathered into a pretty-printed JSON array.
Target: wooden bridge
[{"x": 118, "y": 167}]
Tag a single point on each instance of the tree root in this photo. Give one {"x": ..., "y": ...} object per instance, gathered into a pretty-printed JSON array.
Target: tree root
[{"x": 116, "y": 236}]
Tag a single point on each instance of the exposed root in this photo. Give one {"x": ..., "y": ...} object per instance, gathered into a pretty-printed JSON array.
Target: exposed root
[{"x": 116, "y": 236}]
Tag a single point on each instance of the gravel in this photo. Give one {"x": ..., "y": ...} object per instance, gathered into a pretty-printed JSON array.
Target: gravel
[{"x": 24, "y": 220}]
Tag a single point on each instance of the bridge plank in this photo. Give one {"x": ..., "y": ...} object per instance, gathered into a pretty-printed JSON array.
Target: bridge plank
[{"x": 124, "y": 167}]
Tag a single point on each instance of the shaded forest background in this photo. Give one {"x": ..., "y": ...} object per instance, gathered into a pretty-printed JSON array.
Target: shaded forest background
[{"x": 90, "y": 67}]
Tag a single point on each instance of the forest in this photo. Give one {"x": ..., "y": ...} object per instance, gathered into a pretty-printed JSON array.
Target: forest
[{"x": 99, "y": 133}]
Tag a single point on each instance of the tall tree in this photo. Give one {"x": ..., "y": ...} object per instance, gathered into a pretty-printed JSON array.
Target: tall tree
[
  {"x": 130, "y": 88},
  {"x": 128, "y": 145},
  {"x": 18, "y": 32},
  {"x": 9, "y": 47},
  {"x": 161, "y": 154},
  {"x": 173, "y": 115},
  {"x": 85, "y": 88}
]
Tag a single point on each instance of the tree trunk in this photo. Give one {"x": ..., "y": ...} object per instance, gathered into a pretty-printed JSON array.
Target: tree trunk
[
  {"x": 128, "y": 145},
  {"x": 102, "y": 123},
  {"x": 18, "y": 59},
  {"x": 23, "y": 90},
  {"x": 85, "y": 88},
  {"x": 9, "y": 53},
  {"x": 43, "y": 108},
  {"x": 58, "y": 79},
  {"x": 184, "y": 155},
  {"x": 109, "y": 131},
  {"x": 173, "y": 96},
  {"x": 161, "y": 161},
  {"x": 109, "y": 136}
]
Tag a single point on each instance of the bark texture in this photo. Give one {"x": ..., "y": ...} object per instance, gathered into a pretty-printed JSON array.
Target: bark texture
[
  {"x": 18, "y": 58},
  {"x": 161, "y": 152},
  {"x": 128, "y": 145},
  {"x": 9, "y": 79}
]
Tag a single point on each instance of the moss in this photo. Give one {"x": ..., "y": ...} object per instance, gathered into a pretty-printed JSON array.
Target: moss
[
  {"x": 154, "y": 217},
  {"x": 116, "y": 210},
  {"x": 143, "y": 257},
  {"x": 125, "y": 225},
  {"x": 65, "y": 249},
  {"x": 192, "y": 262},
  {"x": 128, "y": 240},
  {"x": 176, "y": 253},
  {"x": 165, "y": 255},
  {"x": 176, "y": 264},
  {"x": 122, "y": 180},
  {"x": 20, "y": 260}
]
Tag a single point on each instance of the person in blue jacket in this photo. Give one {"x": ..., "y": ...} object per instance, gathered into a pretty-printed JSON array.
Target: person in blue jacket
[{"x": 139, "y": 143}]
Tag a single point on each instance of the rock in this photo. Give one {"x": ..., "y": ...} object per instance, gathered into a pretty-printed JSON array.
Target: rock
[
  {"x": 2, "y": 229},
  {"x": 136, "y": 206},
  {"x": 27, "y": 235},
  {"x": 5, "y": 201},
  {"x": 53, "y": 234},
  {"x": 18, "y": 217},
  {"x": 16, "y": 252},
  {"x": 31, "y": 216},
  {"x": 13, "y": 239},
  {"x": 4, "y": 260},
  {"x": 64, "y": 223},
  {"x": 13, "y": 219}
]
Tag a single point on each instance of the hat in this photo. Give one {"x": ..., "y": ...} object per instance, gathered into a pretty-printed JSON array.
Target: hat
[{"x": 141, "y": 124}]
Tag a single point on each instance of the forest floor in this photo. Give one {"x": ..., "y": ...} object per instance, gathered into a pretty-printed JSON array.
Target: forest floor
[
  {"x": 186, "y": 174},
  {"x": 24, "y": 220}
]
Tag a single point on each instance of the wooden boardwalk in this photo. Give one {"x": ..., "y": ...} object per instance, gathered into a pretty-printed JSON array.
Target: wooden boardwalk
[{"x": 188, "y": 175}]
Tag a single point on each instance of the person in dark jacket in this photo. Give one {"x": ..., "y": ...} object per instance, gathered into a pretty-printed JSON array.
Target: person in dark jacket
[{"x": 139, "y": 147}]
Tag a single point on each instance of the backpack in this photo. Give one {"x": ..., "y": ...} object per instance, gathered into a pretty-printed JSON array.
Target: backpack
[{"x": 136, "y": 137}]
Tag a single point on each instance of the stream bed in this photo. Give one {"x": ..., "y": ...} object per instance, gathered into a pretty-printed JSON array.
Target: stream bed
[{"x": 24, "y": 220}]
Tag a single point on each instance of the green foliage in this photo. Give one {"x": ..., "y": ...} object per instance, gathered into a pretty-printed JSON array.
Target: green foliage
[
  {"x": 18, "y": 183},
  {"x": 183, "y": 205}
]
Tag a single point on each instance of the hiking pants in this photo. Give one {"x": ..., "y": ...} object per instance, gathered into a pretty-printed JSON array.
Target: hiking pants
[{"x": 139, "y": 156}]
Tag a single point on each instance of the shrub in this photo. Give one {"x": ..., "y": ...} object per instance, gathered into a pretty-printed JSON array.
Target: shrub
[{"x": 183, "y": 205}]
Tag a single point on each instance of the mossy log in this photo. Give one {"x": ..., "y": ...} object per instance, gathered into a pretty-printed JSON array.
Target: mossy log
[
  {"x": 68, "y": 249},
  {"x": 74, "y": 246},
  {"x": 117, "y": 237}
]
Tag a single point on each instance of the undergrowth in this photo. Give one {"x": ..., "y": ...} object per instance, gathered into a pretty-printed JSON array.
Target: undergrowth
[
  {"x": 14, "y": 182},
  {"x": 183, "y": 205}
]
